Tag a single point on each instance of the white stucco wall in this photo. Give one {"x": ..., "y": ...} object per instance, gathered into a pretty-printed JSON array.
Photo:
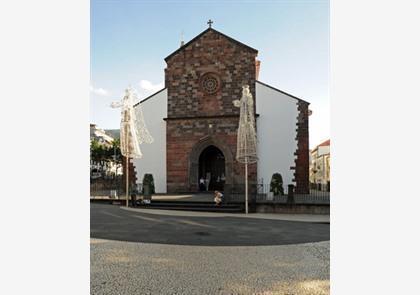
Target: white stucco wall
[
  {"x": 276, "y": 132},
  {"x": 154, "y": 155}
]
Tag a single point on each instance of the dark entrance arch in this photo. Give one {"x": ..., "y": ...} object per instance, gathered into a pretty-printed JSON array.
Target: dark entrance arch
[
  {"x": 194, "y": 159},
  {"x": 212, "y": 168}
]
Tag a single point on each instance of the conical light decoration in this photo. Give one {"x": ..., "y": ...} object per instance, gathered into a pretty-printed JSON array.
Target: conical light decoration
[
  {"x": 133, "y": 130},
  {"x": 246, "y": 146}
]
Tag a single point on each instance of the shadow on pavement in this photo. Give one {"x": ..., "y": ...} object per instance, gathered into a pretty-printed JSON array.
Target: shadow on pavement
[{"x": 112, "y": 223}]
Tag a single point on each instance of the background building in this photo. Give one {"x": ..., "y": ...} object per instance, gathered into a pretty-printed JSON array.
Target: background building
[
  {"x": 320, "y": 166},
  {"x": 105, "y": 155},
  {"x": 100, "y": 135}
]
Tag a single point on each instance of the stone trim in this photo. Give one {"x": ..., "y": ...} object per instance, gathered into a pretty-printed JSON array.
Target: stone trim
[
  {"x": 203, "y": 117},
  {"x": 301, "y": 168}
]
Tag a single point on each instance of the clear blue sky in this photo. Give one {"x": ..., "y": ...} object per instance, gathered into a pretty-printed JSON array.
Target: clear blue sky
[{"x": 130, "y": 39}]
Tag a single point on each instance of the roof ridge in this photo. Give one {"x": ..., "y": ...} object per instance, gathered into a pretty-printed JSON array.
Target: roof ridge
[
  {"x": 150, "y": 96},
  {"x": 281, "y": 91}
]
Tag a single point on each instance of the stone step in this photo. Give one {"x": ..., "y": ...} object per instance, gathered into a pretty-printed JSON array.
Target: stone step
[
  {"x": 200, "y": 209},
  {"x": 189, "y": 204},
  {"x": 192, "y": 206}
]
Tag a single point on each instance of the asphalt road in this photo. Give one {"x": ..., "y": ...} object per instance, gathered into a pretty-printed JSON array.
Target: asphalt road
[{"x": 112, "y": 223}]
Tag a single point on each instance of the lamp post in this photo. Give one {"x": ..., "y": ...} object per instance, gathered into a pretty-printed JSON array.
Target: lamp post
[{"x": 116, "y": 167}]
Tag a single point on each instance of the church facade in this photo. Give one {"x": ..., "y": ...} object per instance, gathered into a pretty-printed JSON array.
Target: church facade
[{"x": 194, "y": 122}]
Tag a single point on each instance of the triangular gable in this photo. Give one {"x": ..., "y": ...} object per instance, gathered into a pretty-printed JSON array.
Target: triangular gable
[{"x": 202, "y": 34}]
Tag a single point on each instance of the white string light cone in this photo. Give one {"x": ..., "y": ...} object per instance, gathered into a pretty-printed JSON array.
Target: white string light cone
[
  {"x": 133, "y": 130},
  {"x": 246, "y": 146}
]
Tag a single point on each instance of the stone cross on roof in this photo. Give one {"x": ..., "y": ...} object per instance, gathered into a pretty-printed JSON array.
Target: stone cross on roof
[{"x": 209, "y": 23}]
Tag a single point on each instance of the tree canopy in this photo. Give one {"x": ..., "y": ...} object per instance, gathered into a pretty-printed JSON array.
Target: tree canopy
[{"x": 100, "y": 152}]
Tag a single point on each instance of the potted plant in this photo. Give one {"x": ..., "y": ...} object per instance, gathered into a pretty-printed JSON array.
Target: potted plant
[{"x": 276, "y": 185}]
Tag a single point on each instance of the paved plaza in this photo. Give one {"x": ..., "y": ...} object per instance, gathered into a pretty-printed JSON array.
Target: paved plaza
[{"x": 135, "y": 252}]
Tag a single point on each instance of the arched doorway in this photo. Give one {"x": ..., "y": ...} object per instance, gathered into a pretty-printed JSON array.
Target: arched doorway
[
  {"x": 211, "y": 168},
  {"x": 194, "y": 160}
]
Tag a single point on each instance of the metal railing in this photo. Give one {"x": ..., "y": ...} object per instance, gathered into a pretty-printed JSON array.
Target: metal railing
[
  {"x": 104, "y": 186},
  {"x": 261, "y": 193}
]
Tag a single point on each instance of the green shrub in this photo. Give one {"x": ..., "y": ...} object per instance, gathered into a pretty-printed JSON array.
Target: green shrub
[
  {"x": 276, "y": 184},
  {"x": 148, "y": 180}
]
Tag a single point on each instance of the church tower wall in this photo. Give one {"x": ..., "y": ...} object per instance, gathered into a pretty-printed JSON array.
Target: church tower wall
[{"x": 202, "y": 79}]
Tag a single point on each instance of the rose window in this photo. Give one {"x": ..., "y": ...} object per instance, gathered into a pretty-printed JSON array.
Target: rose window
[{"x": 210, "y": 83}]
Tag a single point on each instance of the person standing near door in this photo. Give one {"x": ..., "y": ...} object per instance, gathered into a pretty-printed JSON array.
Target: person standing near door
[{"x": 202, "y": 184}]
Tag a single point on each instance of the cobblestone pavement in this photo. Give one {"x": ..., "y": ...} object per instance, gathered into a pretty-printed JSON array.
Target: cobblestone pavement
[
  {"x": 127, "y": 268},
  {"x": 122, "y": 267}
]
